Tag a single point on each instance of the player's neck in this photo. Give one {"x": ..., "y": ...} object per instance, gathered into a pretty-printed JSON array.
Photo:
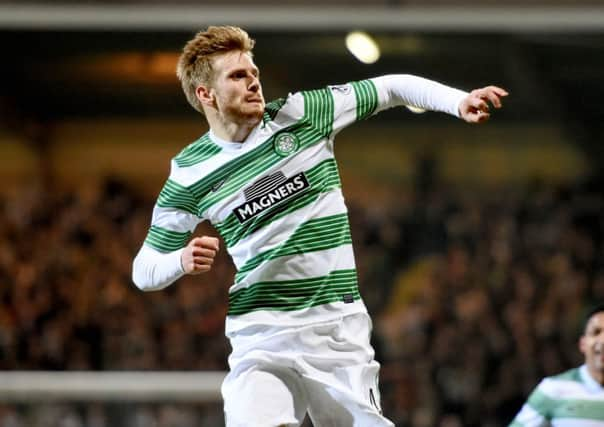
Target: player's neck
[
  {"x": 229, "y": 130},
  {"x": 597, "y": 375}
]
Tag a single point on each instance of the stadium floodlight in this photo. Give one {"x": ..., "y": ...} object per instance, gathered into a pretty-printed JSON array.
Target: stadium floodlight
[{"x": 363, "y": 47}]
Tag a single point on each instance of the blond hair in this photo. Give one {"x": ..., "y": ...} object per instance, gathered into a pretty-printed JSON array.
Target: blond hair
[{"x": 195, "y": 63}]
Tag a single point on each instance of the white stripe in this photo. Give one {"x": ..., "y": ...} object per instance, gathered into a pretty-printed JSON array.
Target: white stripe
[
  {"x": 189, "y": 175},
  {"x": 306, "y": 316},
  {"x": 345, "y": 109},
  {"x": 174, "y": 220},
  {"x": 302, "y": 266},
  {"x": 529, "y": 417},
  {"x": 566, "y": 389}
]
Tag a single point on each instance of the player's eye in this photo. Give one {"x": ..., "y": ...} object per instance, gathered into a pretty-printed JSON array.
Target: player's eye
[{"x": 595, "y": 332}]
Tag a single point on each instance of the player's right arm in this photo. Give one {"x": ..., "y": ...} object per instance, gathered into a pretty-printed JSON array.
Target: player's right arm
[
  {"x": 168, "y": 252},
  {"x": 153, "y": 270},
  {"x": 198, "y": 256}
]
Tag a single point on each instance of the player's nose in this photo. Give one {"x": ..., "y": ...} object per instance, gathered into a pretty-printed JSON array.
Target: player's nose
[{"x": 254, "y": 84}]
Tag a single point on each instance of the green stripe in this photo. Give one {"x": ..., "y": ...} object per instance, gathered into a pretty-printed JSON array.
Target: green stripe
[
  {"x": 165, "y": 240},
  {"x": 366, "y": 96},
  {"x": 177, "y": 196},
  {"x": 200, "y": 150},
  {"x": 542, "y": 403},
  {"x": 319, "y": 108},
  {"x": 272, "y": 108},
  {"x": 322, "y": 178},
  {"x": 294, "y": 294},
  {"x": 580, "y": 409},
  {"x": 265, "y": 290},
  {"x": 570, "y": 375},
  {"x": 314, "y": 235}
]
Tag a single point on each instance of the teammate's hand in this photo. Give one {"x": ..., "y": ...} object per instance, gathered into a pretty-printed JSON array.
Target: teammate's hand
[
  {"x": 475, "y": 107},
  {"x": 198, "y": 256}
]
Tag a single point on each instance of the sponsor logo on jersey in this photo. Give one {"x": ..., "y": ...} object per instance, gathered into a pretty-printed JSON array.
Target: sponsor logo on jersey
[
  {"x": 268, "y": 192},
  {"x": 286, "y": 143}
]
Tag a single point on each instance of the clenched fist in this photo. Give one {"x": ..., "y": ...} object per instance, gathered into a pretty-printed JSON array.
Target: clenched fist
[
  {"x": 475, "y": 107},
  {"x": 198, "y": 256}
]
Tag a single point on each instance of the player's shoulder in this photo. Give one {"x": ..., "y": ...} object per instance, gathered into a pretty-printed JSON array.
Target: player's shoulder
[
  {"x": 562, "y": 384},
  {"x": 287, "y": 109},
  {"x": 196, "y": 152},
  {"x": 570, "y": 375}
]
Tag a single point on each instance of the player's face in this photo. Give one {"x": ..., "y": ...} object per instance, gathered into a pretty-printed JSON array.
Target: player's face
[
  {"x": 236, "y": 87},
  {"x": 592, "y": 345}
]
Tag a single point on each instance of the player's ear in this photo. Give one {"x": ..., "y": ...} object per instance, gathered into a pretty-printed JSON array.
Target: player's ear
[
  {"x": 205, "y": 95},
  {"x": 582, "y": 344}
]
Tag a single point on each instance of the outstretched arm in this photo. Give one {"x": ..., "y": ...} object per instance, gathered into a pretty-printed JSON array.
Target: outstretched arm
[{"x": 406, "y": 89}]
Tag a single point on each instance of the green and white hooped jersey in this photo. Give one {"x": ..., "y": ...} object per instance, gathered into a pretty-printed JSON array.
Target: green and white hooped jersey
[
  {"x": 276, "y": 200},
  {"x": 571, "y": 399}
]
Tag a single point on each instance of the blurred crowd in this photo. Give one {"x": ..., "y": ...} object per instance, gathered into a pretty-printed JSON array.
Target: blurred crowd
[{"x": 475, "y": 295}]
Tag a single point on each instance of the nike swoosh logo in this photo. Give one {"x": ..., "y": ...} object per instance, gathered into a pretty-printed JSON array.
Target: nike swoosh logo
[{"x": 217, "y": 185}]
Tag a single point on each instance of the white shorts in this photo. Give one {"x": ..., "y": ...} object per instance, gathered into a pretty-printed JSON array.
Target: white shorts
[{"x": 278, "y": 374}]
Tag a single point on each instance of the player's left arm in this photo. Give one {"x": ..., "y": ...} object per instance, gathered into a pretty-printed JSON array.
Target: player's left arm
[
  {"x": 359, "y": 100},
  {"x": 406, "y": 89}
]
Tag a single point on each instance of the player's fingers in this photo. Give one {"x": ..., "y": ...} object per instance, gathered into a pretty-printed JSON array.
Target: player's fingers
[
  {"x": 477, "y": 117},
  {"x": 196, "y": 242},
  {"x": 202, "y": 268},
  {"x": 201, "y": 251},
  {"x": 479, "y": 104},
  {"x": 494, "y": 95},
  {"x": 200, "y": 260},
  {"x": 482, "y": 117},
  {"x": 190, "y": 267},
  {"x": 493, "y": 98},
  {"x": 209, "y": 242},
  {"x": 499, "y": 91}
]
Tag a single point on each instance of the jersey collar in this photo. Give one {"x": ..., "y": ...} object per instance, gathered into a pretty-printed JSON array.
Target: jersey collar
[{"x": 591, "y": 384}]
